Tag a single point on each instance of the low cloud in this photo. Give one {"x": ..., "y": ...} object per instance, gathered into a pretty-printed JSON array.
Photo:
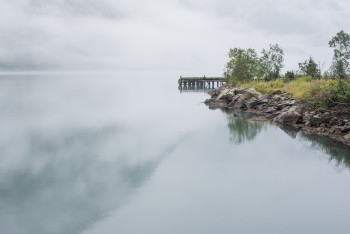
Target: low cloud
[{"x": 161, "y": 35}]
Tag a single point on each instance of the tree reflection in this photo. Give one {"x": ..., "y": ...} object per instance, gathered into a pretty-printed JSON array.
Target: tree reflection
[
  {"x": 242, "y": 126},
  {"x": 337, "y": 151}
]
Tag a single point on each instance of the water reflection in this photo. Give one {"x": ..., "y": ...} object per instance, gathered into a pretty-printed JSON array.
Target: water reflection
[
  {"x": 194, "y": 89},
  {"x": 66, "y": 181},
  {"x": 337, "y": 151},
  {"x": 243, "y": 126}
]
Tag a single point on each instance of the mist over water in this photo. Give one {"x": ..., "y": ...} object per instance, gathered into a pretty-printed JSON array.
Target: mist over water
[{"x": 129, "y": 153}]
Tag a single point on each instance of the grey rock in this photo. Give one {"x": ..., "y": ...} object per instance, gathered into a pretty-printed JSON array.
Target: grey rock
[
  {"x": 251, "y": 103},
  {"x": 275, "y": 92},
  {"x": 270, "y": 110},
  {"x": 292, "y": 116},
  {"x": 249, "y": 93},
  {"x": 216, "y": 103}
]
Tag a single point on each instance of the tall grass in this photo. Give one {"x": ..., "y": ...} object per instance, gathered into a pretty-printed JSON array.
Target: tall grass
[{"x": 318, "y": 92}]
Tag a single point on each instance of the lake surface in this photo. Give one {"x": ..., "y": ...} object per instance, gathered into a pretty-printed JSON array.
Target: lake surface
[{"x": 128, "y": 153}]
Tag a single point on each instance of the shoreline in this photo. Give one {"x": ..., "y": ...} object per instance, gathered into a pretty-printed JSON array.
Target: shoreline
[{"x": 282, "y": 109}]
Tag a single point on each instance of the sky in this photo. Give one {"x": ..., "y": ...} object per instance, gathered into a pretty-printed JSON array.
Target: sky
[{"x": 167, "y": 35}]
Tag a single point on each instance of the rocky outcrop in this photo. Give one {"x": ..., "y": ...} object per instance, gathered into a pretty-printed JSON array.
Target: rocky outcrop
[{"x": 281, "y": 108}]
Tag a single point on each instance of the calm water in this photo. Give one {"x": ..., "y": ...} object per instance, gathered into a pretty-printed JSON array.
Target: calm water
[{"x": 128, "y": 153}]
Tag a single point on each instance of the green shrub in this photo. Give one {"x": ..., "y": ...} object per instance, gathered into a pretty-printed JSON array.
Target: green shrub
[
  {"x": 333, "y": 93},
  {"x": 289, "y": 76}
]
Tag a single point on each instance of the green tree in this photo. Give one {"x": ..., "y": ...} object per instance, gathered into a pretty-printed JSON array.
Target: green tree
[
  {"x": 243, "y": 65},
  {"x": 271, "y": 62},
  {"x": 289, "y": 75},
  {"x": 310, "y": 68},
  {"x": 341, "y": 47}
]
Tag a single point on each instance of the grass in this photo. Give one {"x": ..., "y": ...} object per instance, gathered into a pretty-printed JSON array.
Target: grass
[{"x": 318, "y": 92}]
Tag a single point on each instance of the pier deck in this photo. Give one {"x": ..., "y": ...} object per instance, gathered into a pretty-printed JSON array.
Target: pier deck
[{"x": 200, "y": 82}]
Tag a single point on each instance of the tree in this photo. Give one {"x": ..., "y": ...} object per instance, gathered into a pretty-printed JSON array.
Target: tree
[
  {"x": 243, "y": 65},
  {"x": 310, "y": 68},
  {"x": 272, "y": 62},
  {"x": 289, "y": 75},
  {"x": 341, "y": 46}
]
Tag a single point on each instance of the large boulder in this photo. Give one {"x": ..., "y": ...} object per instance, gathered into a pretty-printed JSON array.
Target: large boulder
[
  {"x": 291, "y": 116},
  {"x": 249, "y": 93},
  {"x": 238, "y": 101},
  {"x": 222, "y": 94}
]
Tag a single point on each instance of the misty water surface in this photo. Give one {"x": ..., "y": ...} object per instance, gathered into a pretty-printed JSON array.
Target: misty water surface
[{"x": 128, "y": 153}]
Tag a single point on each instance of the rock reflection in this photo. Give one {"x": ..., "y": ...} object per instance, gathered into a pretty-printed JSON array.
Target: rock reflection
[
  {"x": 243, "y": 126},
  {"x": 337, "y": 151},
  {"x": 65, "y": 182}
]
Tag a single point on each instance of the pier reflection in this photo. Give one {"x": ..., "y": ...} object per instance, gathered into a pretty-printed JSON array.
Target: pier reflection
[{"x": 191, "y": 89}]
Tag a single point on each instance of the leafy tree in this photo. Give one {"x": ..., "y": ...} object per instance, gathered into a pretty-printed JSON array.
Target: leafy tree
[
  {"x": 243, "y": 65},
  {"x": 341, "y": 45},
  {"x": 272, "y": 62},
  {"x": 289, "y": 75},
  {"x": 310, "y": 68}
]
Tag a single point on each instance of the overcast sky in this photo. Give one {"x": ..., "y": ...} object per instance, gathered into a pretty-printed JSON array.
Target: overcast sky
[{"x": 192, "y": 35}]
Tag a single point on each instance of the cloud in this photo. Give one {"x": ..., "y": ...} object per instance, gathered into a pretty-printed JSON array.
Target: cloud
[{"x": 161, "y": 35}]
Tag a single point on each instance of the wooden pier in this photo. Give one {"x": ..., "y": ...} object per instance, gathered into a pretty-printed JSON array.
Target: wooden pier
[{"x": 200, "y": 82}]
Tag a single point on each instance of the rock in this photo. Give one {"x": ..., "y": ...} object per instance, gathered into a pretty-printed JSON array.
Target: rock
[
  {"x": 347, "y": 136},
  {"x": 307, "y": 119},
  {"x": 239, "y": 91},
  {"x": 239, "y": 105},
  {"x": 319, "y": 119},
  {"x": 287, "y": 95},
  {"x": 264, "y": 98},
  {"x": 307, "y": 123},
  {"x": 251, "y": 103},
  {"x": 240, "y": 99},
  {"x": 290, "y": 103},
  {"x": 249, "y": 93},
  {"x": 333, "y": 121},
  {"x": 285, "y": 109},
  {"x": 276, "y": 98},
  {"x": 335, "y": 129},
  {"x": 321, "y": 110},
  {"x": 261, "y": 107},
  {"x": 270, "y": 110},
  {"x": 345, "y": 129},
  {"x": 214, "y": 93},
  {"x": 222, "y": 94},
  {"x": 275, "y": 92},
  {"x": 292, "y": 116},
  {"x": 216, "y": 103}
]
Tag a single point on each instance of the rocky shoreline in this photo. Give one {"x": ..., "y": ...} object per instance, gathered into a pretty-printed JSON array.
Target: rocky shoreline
[{"x": 281, "y": 108}]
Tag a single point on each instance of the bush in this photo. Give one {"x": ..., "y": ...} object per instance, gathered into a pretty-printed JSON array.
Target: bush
[
  {"x": 289, "y": 76},
  {"x": 304, "y": 87},
  {"x": 333, "y": 93}
]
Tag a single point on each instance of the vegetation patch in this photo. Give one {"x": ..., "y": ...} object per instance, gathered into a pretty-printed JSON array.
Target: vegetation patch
[{"x": 246, "y": 69}]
